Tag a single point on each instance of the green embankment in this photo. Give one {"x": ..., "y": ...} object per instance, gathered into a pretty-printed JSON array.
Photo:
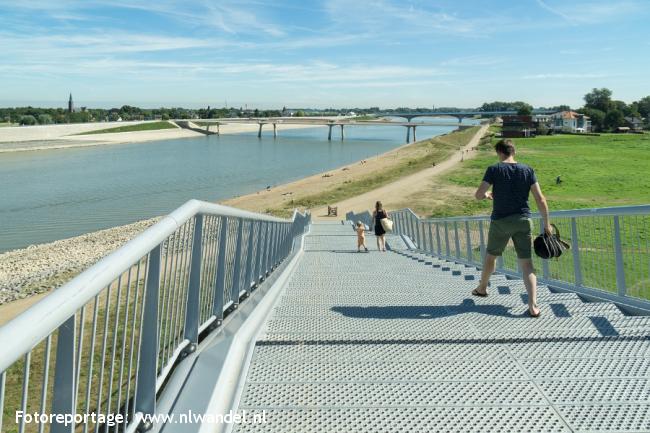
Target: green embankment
[
  {"x": 596, "y": 171},
  {"x": 148, "y": 126},
  {"x": 421, "y": 156}
]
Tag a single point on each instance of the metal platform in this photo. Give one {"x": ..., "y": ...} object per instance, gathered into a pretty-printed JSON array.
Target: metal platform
[{"x": 394, "y": 342}]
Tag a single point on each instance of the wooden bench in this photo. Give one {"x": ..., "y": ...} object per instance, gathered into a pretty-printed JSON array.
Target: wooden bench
[{"x": 332, "y": 211}]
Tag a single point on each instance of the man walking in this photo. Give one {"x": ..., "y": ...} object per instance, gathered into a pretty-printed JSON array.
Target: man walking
[{"x": 511, "y": 184}]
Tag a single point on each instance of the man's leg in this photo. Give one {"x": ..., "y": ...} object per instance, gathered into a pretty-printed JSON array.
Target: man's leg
[
  {"x": 489, "y": 264},
  {"x": 530, "y": 281}
]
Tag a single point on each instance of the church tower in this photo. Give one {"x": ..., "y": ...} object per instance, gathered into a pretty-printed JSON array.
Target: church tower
[{"x": 70, "y": 105}]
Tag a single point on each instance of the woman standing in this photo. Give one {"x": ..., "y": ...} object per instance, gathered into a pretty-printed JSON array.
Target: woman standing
[{"x": 380, "y": 233}]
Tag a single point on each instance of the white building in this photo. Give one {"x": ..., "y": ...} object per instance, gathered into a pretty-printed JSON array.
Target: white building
[{"x": 570, "y": 121}]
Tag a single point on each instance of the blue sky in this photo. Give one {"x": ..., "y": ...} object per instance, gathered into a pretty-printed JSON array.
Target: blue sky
[{"x": 338, "y": 53}]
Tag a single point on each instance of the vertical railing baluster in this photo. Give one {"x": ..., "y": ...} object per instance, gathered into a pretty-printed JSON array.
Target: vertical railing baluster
[
  {"x": 259, "y": 252},
  {"x": 447, "y": 247},
  {"x": 546, "y": 271},
  {"x": 618, "y": 251},
  {"x": 236, "y": 279},
  {"x": 64, "y": 374},
  {"x": 457, "y": 240},
  {"x": 192, "y": 308},
  {"x": 249, "y": 257},
  {"x": 468, "y": 238},
  {"x": 481, "y": 237},
  {"x": 267, "y": 245},
  {"x": 220, "y": 277},
  {"x": 147, "y": 365},
  {"x": 438, "y": 240},
  {"x": 575, "y": 250},
  {"x": 25, "y": 393}
]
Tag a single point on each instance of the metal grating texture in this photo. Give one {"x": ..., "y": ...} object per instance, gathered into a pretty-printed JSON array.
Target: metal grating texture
[{"x": 393, "y": 342}]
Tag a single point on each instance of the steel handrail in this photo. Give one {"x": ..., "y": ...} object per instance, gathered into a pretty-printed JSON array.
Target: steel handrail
[{"x": 33, "y": 325}]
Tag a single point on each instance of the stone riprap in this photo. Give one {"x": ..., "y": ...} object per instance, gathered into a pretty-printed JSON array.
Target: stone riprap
[{"x": 39, "y": 268}]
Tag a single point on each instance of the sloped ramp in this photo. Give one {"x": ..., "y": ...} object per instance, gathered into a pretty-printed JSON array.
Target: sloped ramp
[{"x": 393, "y": 342}]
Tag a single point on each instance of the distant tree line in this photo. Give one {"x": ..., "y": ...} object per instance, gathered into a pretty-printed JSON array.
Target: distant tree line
[{"x": 607, "y": 114}]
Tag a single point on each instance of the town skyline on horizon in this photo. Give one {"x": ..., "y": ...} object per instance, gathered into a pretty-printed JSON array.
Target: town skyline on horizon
[{"x": 321, "y": 54}]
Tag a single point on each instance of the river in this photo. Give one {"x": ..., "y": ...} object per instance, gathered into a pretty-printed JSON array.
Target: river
[{"x": 55, "y": 194}]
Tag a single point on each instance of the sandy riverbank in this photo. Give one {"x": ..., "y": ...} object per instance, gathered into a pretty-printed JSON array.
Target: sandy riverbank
[
  {"x": 45, "y": 137},
  {"x": 30, "y": 271}
]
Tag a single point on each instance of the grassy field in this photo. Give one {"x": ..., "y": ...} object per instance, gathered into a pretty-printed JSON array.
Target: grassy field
[
  {"x": 3, "y": 124},
  {"x": 422, "y": 155},
  {"x": 596, "y": 171},
  {"x": 149, "y": 126}
]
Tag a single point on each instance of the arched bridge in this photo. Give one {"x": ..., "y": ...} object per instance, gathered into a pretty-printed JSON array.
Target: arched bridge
[
  {"x": 217, "y": 319},
  {"x": 460, "y": 115}
]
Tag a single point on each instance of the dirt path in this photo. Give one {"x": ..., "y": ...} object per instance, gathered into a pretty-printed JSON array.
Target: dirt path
[{"x": 395, "y": 192}]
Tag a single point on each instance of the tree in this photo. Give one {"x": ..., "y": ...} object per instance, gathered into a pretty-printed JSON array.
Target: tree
[
  {"x": 613, "y": 119},
  {"x": 525, "y": 109},
  {"x": 600, "y": 99},
  {"x": 44, "y": 119},
  {"x": 299, "y": 113},
  {"x": 597, "y": 118},
  {"x": 643, "y": 106},
  {"x": 27, "y": 120}
]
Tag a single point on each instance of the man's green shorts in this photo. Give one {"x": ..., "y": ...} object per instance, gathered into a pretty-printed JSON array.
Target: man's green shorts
[{"x": 516, "y": 227}]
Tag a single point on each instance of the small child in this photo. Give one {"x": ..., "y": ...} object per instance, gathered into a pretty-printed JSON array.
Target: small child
[{"x": 361, "y": 237}]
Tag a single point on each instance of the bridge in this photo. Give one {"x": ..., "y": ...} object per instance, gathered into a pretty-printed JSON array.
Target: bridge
[
  {"x": 460, "y": 115},
  {"x": 314, "y": 121},
  {"x": 217, "y": 319}
]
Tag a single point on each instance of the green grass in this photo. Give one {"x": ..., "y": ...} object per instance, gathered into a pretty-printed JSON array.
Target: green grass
[
  {"x": 148, "y": 126},
  {"x": 423, "y": 154},
  {"x": 3, "y": 124},
  {"x": 596, "y": 171}
]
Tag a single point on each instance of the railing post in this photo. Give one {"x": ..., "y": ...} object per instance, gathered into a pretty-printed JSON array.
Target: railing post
[
  {"x": 448, "y": 250},
  {"x": 430, "y": 230},
  {"x": 145, "y": 397},
  {"x": 577, "y": 270},
  {"x": 468, "y": 237},
  {"x": 257, "y": 267},
  {"x": 618, "y": 251},
  {"x": 220, "y": 278},
  {"x": 438, "y": 240},
  {"x": 546, "y": 272},
  {"x": 267, "y": 243},
  {"x": 249, "y": 258},
  {"x": 418, "y": 237},
  {"x": 481, "y": 238},
  {"x": 64, "y": 375},
  {"x": 192, "y": 310},
  {"x": 274, "y": 241},
  {"x": 457, "y": 240},
  {"x": 413, "y": 232},
  {"x": 236, "y": 276}
]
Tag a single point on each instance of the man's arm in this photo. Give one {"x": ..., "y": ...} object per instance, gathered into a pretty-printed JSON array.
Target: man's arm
[
  {"x": 542, "y": 206},
  {"x": 482, "y": 192}
]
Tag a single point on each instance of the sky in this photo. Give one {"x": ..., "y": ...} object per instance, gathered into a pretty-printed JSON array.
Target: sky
[{"x": 329, "y": 53}]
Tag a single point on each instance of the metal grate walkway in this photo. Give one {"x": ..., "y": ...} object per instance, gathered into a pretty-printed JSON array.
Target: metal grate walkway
[{"x": 393, "y": 342}]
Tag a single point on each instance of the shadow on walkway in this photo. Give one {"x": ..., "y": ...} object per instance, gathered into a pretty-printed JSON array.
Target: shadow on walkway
[{"x": 425, "y": 311}]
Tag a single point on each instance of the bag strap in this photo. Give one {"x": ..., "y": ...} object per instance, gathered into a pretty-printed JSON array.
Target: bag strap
[{"x": 557, "y": 231}]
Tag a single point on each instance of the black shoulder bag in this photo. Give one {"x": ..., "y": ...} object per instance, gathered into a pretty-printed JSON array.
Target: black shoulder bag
[{"x": 550, "y": 246}]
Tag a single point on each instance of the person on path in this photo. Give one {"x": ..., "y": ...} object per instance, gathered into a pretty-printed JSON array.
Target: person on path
[
  {"x": 511, "y": 184},
  {"x": 378, "y": 214},
  {"x": 361, "y": 236}
]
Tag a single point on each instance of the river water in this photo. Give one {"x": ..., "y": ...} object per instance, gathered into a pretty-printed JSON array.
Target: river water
[{"x": 55, "y": 194}]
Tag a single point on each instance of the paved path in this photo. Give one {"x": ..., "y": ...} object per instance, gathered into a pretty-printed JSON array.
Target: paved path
[
  {"x": 392, "y": 342},
  {"x": 395, "y": 191}
]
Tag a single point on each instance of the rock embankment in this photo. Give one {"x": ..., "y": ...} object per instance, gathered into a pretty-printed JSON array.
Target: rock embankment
[{"x": 39, "y": 268}]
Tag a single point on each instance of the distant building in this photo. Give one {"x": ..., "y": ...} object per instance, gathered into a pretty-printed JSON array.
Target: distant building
[
  {"x": 518, "y": 127},
  {"x": 70, "y": 105},
  {"x": 634, "y": 123},
  {"x": 570, "y": 121}
]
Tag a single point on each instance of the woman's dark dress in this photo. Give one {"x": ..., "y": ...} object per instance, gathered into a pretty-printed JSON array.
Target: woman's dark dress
[{"x": 379, "y": 229}]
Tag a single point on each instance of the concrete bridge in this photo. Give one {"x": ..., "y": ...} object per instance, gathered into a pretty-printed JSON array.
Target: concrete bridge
[
  {"x": 281, "y": 321},
  {"x": 460, "y": 115},
  {"x": 330, "y": 122}
]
